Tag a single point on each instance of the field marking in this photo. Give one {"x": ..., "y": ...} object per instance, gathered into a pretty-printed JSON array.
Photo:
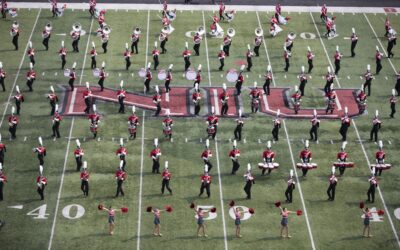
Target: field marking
[
  {"x": 379, "y": 41},
  {"x": 19, "y": 69},
  {"x": 68, "y": 146},
  {"x": 216, "y": 104},
  {"x": 339, "y": 107},
  {"x": 221, "y": 195},
  {"x": 208, "y": 60},
  {"x": 291, "y": 154},
  {"x": 141, "y": 159}
]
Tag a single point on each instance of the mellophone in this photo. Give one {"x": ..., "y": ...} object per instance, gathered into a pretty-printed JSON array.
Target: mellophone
[{"x": 307, "y": 165}]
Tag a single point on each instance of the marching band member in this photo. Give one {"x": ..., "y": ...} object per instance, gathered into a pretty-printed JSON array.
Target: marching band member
[
  {"x": 393, "y": 101},
  {"x": 166, "y": 177},
  {"x": 345, "y": 121},
  {"x": 224, "y": 97},
  {"x": 78, "y": 154},
  {"x": 305, "y": 157},
  {"x": 198, "y": 76},
  {"x": 286, "y": 56},
  {"x": 221, "y": 11},
  {"x": 239, "y": 125},
  {"x": 338, "y": 56},
  {"x": 85, "y": 180},
  {"x": 329, "y": 24},
  {"x": 234, "y": 154},
  {"x": 102, "y": 19},
  {"x": 168, "y": 79},
  {"x": 296, "y": 98},
  {"x": 314, "y": 127},
  {"x": 155, "y": 154},
  {"x": 239, "y": 81},
  {"x": 196, "y": 97},
  {"x": 291, "y": 185},
  {"x": 303, "y": 80},
  {"x": 127, "y": 57},
  {"x": 121, "y": 94},
  {"x": 93, "y": 54},
  {"x": 163, "y": 38},
  {"x": 332, "y": 186},
  {"x": 376, "y": 126},
  {"x": 397, "y": 85},
  {"x": 133, "y": 123},
  {"x": 197, "y": 41},
  {"x": 167, "y": 125},
  {"x": 230, "y": 14},
  {"x": 329, "y": 80},
  {"x": 205, "y": 182},
  {"x": 212, "y": 124},
  {"x": 391, "y": 42},
  {"x": 41, "y": 151},
  {"x": 31, "y": 77},
  {"x": 289, "y": 42},
  {"x": 54, "y": 8},
  {"x": 63, "y": 54},
  {"x": 102, "y": 76},
  {"x": 277, "y": 125},
  {"x": 76, "y": 36},
  {"x": 31, "y": 53},
  {"x": 354, "y": 40},
  {"x": 3, "y": 149},
  {"x": 249, "y": 182},
  {"x": 206, "y": 155},
  {"x": 19, "y": 98},
  {"x": 324, "y": 13},
  {"x": 4, "y": 8},
  {"x": 268, "y": 79},
  {"x": 122, "y": 153},
  {"x": 368, "y": 79},
  {"x": 14, "y": 33},
  {"x": 387, "y": 26},
  {"x": 94, "y": 121},
  {"x": 249, "y": 56},
  {"x": 255, "y": 98},
  {"x": 120, "y": 176},
  {"x": 148, "y": 78},
  {"x": 186, "y": 56},
  {"x": 373, "y": 184},
  {"x": 380, "y": 159},
  {"x": 41, "y": 182},
  {"x": 342, "y": 159},
  {"x": 331, "y": 100},
  {"x": 13, "y": 121},
  {"x": 135, "y": 37},
  {"x": 157, "y": 101},
  {"x": 56, "y": 123},
  {"x": 221, "y": 57},
  {"x": 361, "y": 100},
  {"x": 2, "y": 76},
  {"x": 310, "y": 58},
  {"x": 87, "y": 96},
  {"x": 268, "y": 160},
  {"x": 3, "y": 180},
  {"x": 72, "y": 77},
  {"x": 378, "y": 59},
  {"x": 92, "y": 7},
  {"x": 155, "y": 54},
  {"x": 257, "y": 41},
  {"x": 227, "y": 43}
]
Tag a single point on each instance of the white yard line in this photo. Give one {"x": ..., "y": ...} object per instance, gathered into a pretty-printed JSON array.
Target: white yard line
[
  {"x": 379, "y": 41},
  {"x": 142, "y": 156},
  {"x": 291, "y": 155},
  {"x": 216, "y": 103},
  {"x": 208, "y": 60},
  {"x": 68, "y": 146},
  {"x": 19, "y": 69}
]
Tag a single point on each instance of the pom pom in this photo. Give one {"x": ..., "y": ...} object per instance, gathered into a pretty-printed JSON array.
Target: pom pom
[
  {"x": 232, "y": 203},
  {"x": 100, "y": 207},
  {"x": 168, "y": 209},
  {"x": 299, "y": 212},
  {"x": 251, "y": 210},
  {"x": 124, "y": 209},
  {"x": 148, "y": 209},
  {"x": 213, "y": 210},
  {"x": 192, "y": 205},
  {"x": 381, "y": 212},
  {"x": 277, "y": 204},
  {"x": 362, "y": 205}
]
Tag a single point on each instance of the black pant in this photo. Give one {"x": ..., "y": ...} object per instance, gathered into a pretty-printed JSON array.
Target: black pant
[
  {"x": 41, "y": 159},
  {"x": 104, "y": 46},
  {"x": 88, "y": 105},
  {"x": 393, "y": 108},
  {"x": 119, "y": 188},
  {"x": 13, "y": 131},
  {"x": 397, "y": 87},
  {"x": 147, "y": 85},
  {"x": 254, "y": 108},
  {"x": 29, "y": 83},
  {"x": 156, "y": 62},
  {"x": 289, "y": 194},
  {"x": 287, "y": 64},
  {"x": 205, "y": 186},
  {"x": 235, "y": 166},
  {"x": 266, "y": 87},
  {"x": 224, "y": 109},
  {"x": 256, "y": 50},
  {"x": 337, "y": 66},
  {"x": 63, "y": 61},
  {"x": 353, "y": 46},
  {"x": 78, "y": 163},
  {"x": 156, "y": 167},
  {"x": 15, "y": 41},
  {"x": 1, "y": 190},
  {"x": 75, "y": 45},
  {"x": 162, "y": 45},
  {"x": 56, "y": 129},
  {"x": 2, "y": 84},
  {"x": 249, "y": 63},
  {"x": 208, "y": 163},
  {"x": 71, "y": 83},
  {"x": 128, "y": 62},
  {"x": 187, "y": 63},
  {"x": 196, "y": 49},
  {"x": 167, "y": 88},
  {"x": 18, "y": 106},
  {"x": 32, "y": 60},
  {"x": 226, "y": 49},
  {"x": 2, "y": 157},
  {"x": 304, "y": 170},
  {"x": 368, "y": 84},
  {"x": 101, "y": 83},
  {"x": 134, "y": 45},
  {"x": 264, "y": 170},
  {"x": 343, "y": 132},
  {"x": 197, "y": 109},
  {"x": 374, "y": 133},
  {"x": 331, "y": 191},
  {"x": 93, "y": 65},
  {"x": 158, "y": 109},
  {"x": 310, "y": 65},
  {"x": 41, "y": 192},
  {"x": 341, "y": 170},
  {"x": 327, "y": 87},
  {"x": 165, "y": 184},
  {"x": 371, "y": 193},
  {"x": 378, "y": 66},
  {"x": 238, "y": 132},
  {"x": 85, "y": 187},
  {"x": 314, "y": 133},
  {"x": 46, "y": 42},
  {"x": 222, "y": 64},
  {"x": 121, "y": 105},
  {"x": 302, "y": 87},
  {"x": 390, "y": 47},
  {"x": 91, "y": 11},
  {"x": 275, "y": 133},
  {"x": 238, "y": 87},
  {"x": 247, "y": 188}
]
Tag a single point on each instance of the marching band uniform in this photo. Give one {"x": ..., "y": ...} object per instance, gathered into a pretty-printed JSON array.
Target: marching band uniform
[
  {"x": 378, "y": 59},
  {"x": 164, "y": 39},
  {"x": 286, "y": 56},
  {"x": 3, "y": 8},
  {"x": 92, "y": 7},
  {"x": 238, "y": 129},
  {"x": 31, "y": 53},
  {"x": 76, "y": 36},
  {"x": 368, "y": 79},
  {"x": 227, "y": 44},
  {"x": 380, "y": 159},
  {"x": 19, "y": 98},
  {"x": 205, "y": 184},
  {"x": 277, "y": 126},
  {"x": 63, "y": 54},
  {"x": 391, "y": 42},
  {"x": 155, "y": 155},
  {"x": 303, "y": 81},
  {"x": 167, "y": 126},
  {"x": 234, "y": 154},
  {"x": 221, "y": 57},
  {"x": 101, "y": 19},
  {"x": 15, "y": 34},
  {"x": 168, "y": 80},
  {"x": 149, "y": 76},
  {"x": 373, "y": 184},
  {"x": 3, "y": 149},
  {"x": 342, "y": 158},
  {"x": 157, "y": 102},
  {"x": 121, "y": 94},
  {"x": 221, "y": 11},
  {"x": 332, "y": 187},
  {"x": 87, "y": 96},
  {"x": 289, "y": 43},
  {"x": 196, "y": 97},
  {"x": 198, "y": 77},
  {"x": 41, "y": 153},
  {"x": 56, "y": 124},
  {"x": 186, "y": 57},
  {"x": 249, "y": 56},
  {"x": 354, "y": 40},
  {"x": 296, "y": 100},
  {"x": 85, "y": 182},
  {"x": 249, "y": 183},
  {"x": 54, "y": 8},
  {"x": 268, "y": 157},
  {"x": 268, "y": 79},
  {"x": 255, "y": 99},
  {"x": 78, "y": 153},
  {"x": 387, "y": 26},
  {"x": 3, "y": 180},
  {"x": 135, "y": 41},
  {"x": 155, "y": 54},
  {"x": 104, "y": 41},
  {"x": 206, "y": 155},
  {"x": 212, "y": 121},
  {"x": 93, "y": 54},
  {"x": 239, "y": 82},
  {"x": 345, "y": 120},
  {"x": 337, "y": 58},
  {"x": 197, "y": 41},
  {"x": 291, "y": 185},
  {"x": 127, "y": 56},
  {"x": 133, "y": 122},
  {"x": 102, "y": 77},
  {"x": 166, "y": 177},
  {"x": 305, "y": 157},
  {"x": 393, "y": 101},
  {"x": 31, "y": 77},
  {"x": 224, "y": 97},
  {"x": 2, "y": 76},
  {"x": 376, "y": 126},
  {"x": 329, "y": 80},
  {"x": 120, "y": 176},
  {"x": 310, "y": 58},
  {"x": 331, "y": 102},
  {"x": 94, "y": 122},
  {"x": 122, "y": 153},
  {"x": 314, "y": 128},
  {"x": 397, "y": 86},
  {"x": 72, "y": 77},
  {"x": 13, "y": 121},
  {"x": 361, "y": 99},
  {"x": 41, "y": 183},
  {"x": 257, "y": 44}
]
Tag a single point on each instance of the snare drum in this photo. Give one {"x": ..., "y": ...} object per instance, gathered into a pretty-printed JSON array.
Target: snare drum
[
  {"x": 190, "y": 75},
  {"x": 142, "y": 73},
  {"x": 162, "y": 74},
  {"x": 232, "y": 75},
  {"x": 96, "y": 72},
  {"x": 67, "y": 72}
]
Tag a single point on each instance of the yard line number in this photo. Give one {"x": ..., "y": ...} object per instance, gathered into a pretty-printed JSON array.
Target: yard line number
[{"x": 72, "y": 212}]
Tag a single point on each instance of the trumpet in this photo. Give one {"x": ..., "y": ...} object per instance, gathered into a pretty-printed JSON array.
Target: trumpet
[
  {"x": 137, "y": 31},
  {"x": 259, "y": 32},
  {"x": 231, "y": 32},
  {"x": 77, "y": 27},
  {"x": 201, "y": 30}
]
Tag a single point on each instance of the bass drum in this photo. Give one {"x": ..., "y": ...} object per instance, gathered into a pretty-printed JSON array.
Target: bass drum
[
  {"x": 162, "y": 74},
  {"x": 190, "y": 75},
  {"x": 232, "y": 75},
  {"x": 96, "y": 72},
  {"x": 67, "y": 72},
  {"x": 142, "y": 73}
]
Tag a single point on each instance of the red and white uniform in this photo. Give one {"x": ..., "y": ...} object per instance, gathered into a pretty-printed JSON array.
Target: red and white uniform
[
  {"x": 278, "y": 9},
  {"x": 166, "y": 175},
  {"x": 215, "y": 19},
  {"x": 380, "y": 157},
  {"x": 221, "y": 55},
  {"x": 305, "y": 156},
  {"x": 361, "y": 97},
  {"x": 324, "y": 11},
  {"x": 121, "y": 93},
  {"x": 198, "y": 77},
  {"x": 296, "y": 97},
  {"x": 345, "y": 120},
  {"x": 223, "y": 97},
  {"x": 169, "y": 76},
  {"x": 186, "y": 53},
  {"x": 342, "y": 156},
  {"x": 212, "y": 120},
  {"x": 40, "y": 181},
  {"x": 62, "y": 52},
  {"x": 92, "y": 4},
  {"x": 157, "y": 99},
  {"x": 155, "y": 154},
  {"x": 3, "y": 177},
  {"x": 133, "y": 122},
  {"x": 94, "y": 121},
  {"x": 255, "y": 93},
  {"x": 121, "y": 152},
  {"x": 85, "y": 176},
  {"x": 2, "y": 74},
  {"x": 79, "y": 153},
  {"x": 206, "y": 179},
  {"x": 149, "y": 76},
  {"x": 167, "y": 124},
  {"x": 134, "y": 37},
  {"x": 93, "y": 53},
  {"x": 120, "y": 175},
  {"x": 221, "y": 9},
  {"x": 197, "y": 39},
  {"x": 101, "y": 20},
  {"x": 227, "y": 40},
  {"x": 75, "y": 35},
  {"x": 286, "y": 55},
  {"x": 72, "y": 75},
  {"x": 165, "y": 21},
  {"x": 206, "y": 155},
  {"x": 234, "y": 154},
  {"x": 31, "y": 52},
  {"x": 337, "y": 56},
  {"x": 41, "y": 150},
  {"x": 31, "y": 75},
  {"x": 257, "y": 40},
  {"x": 310, "y": 55},
  {"x": 19, "y": 97},
  {"x": 268, "y": 156},
  {"x": 13, "y": 120},
  {"x": 196, "y": 96},
  {"x": 155, "y": 52},
  {"x": 127, "y": 54},
  {"x": 57, "y": 118}
]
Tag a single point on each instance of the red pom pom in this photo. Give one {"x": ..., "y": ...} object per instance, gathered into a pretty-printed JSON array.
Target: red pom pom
[
  {"x": 148, "y": 209},
  {"x": 232, "y": 203},
  {"x": 299, "y": 212},
  {"x": 362, "y": 205},
  {"x": 381, "y": 212},
  {"x": 251, "y": 210},
  {"x": 124, "y": 209},
  {"x": 277, "y": 204},
  {"x": 168, "y": 209},
  {"x": 213, "y": 210},
  {"x": 100, "y": 207},
  {"x": 192, "y": 205}
]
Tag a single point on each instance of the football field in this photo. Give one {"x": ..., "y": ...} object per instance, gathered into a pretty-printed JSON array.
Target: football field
[{"x": 66, "y": 219}]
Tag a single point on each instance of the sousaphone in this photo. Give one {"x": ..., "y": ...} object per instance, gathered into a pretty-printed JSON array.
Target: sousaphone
[
  {"x": 201, "y": 30},
  {"x": 137, "y": 31},
  {"x": 231, "y": 32},
  {"x": 77, "y": 27},
  {"x": 259, "y": 32}
]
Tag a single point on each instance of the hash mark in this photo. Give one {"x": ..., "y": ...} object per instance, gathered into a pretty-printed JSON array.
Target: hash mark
[
  {"x": 172, "y": 139},
  {"x": 244, "y": 140},
  {"x": 386, "y": 78},
  {"x": 390, "y": 143},
  {"x": 98, "y": 139},
  {"x": 285, "y": 76},
  {"x": 201, "y": 139},
  {"x": 186, "y": 140},
  {"x": 331, "y": 142},
  {"x": 310, "y": 77},
  {"x": 259, "y": 141},
  {"x": 25, "y": 138},
  {"x": 348, "y": 77},
  {"x": 56, "y": 74},
  {"x": 112, "y": 139}
]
